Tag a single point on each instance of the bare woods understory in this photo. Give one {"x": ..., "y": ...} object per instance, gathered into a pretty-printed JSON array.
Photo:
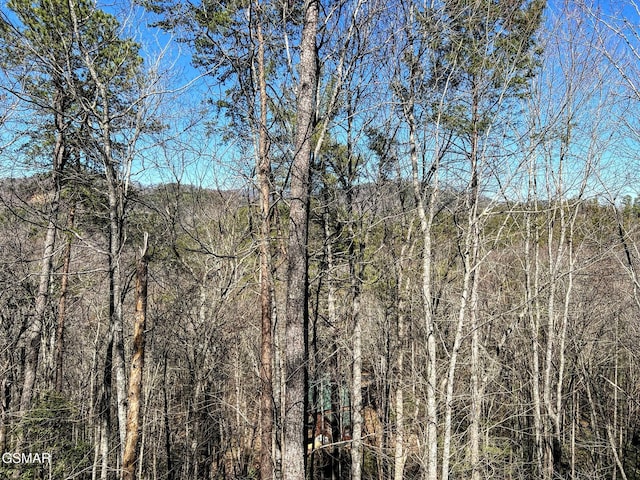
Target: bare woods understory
[{"x": 349, "y": 240}]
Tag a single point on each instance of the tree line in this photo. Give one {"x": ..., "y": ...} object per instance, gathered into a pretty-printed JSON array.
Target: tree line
[{"x": 353, "y": 240}]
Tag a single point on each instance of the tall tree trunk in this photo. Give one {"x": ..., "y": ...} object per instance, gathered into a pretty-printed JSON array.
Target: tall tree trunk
[
  {"x": 117, "y": 175},
  {"x": 167, "y": 427},
  {"x": 426, "y": 215},
  {"x": 62, "y": 306},
  {"x": 34, "y": 330},
  {"x": 266, "y": 340},
  {"x": 356, "y": 393},
  {"x": 115, "y": 299},
  {"x": 297, "y": 314},
  {"x": 476, "y": 382},
  {"x": 104, "y": 410},
  {"x": 332, "y": 319},
  {"x": 5, "y": 403},
  {"x": 358, "y": 240},
  {"x": 400, "y": 453},
  {"x": 137, "y": 369},
  {"x": 532, "y": 309},
  {"x": 472, "y": 263}
]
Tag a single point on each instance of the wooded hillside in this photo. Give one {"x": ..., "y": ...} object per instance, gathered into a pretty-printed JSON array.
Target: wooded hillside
[{"x": 350, "y": 240}]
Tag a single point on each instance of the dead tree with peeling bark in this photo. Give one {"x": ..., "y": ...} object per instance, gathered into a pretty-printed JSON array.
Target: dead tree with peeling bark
[{"x": 136, "y": 380}]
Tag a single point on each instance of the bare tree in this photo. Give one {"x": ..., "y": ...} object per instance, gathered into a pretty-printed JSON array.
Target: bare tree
[
  {"x": 136, "y": 380},
  {"x": 297, "y": 315}
]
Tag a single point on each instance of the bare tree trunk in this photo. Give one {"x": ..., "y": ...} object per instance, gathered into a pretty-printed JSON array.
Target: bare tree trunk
[
  {"x": 167, "y": 427},
  {"x": 332, "y": 319},
  {"x": 400, "y": 452},
  {"x": 548, "y": 462},
  {"x": 266, "y": 341},
  {"x": 556, "y": 324},
  {"x": 104, "y": 410},
  {"x": 467, "y": 291},
  {"x": 614, "y": 450},
  {"x": 129, "y": 457},
  {"x": 532, "y": 308},
  {"x": 399, "y": 455},
  {"x": 472, "y": 264},
  {"x": 34, "y": 330},
  {"x": 115, "y": 297},
  {"x": 356, "y": 389},
  {"x": 476, "y": 387},
  {"x": 62, "y": 307},
  {"x": 5, "y": 403},
  {"x": 94, "y": 406},
  {"x": 278, "y": 387},
  {"x": 117, "y": 174},
  {"x": 297, "y": 315},
  {"x": 426, "y": 214}
]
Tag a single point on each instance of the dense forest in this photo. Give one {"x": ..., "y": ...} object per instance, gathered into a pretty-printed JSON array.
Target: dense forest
[{"x": 347, "y": 239}]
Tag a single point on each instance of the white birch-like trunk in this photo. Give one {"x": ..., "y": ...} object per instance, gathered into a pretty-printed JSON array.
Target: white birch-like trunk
[
  {"x": 426, "y": 219},
  {"x": 356, "y": 393},
  {"x": 399, "y": 452}
]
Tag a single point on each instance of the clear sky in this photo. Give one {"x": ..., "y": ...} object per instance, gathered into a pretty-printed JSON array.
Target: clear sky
[{"x": 187, "y": 153}]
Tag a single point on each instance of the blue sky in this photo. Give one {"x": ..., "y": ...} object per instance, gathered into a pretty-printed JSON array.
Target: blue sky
[{"x": 193, "y": 157}]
